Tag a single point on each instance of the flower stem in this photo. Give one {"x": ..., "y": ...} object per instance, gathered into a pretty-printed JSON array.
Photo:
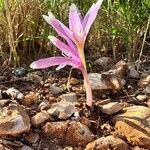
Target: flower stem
[
  {"x": 81, "y": 54},
  {"x": 88, "y": 89}
]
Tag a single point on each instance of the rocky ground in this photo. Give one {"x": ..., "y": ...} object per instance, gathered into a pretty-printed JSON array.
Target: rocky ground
[{"x": 46, "y": 110}]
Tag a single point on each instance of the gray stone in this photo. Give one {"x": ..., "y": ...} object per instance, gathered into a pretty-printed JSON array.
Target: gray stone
[
  {"x": 133, "y": 73},
  {"x": 55, "y": 90},
  {"x": 111, "y": 108},
  {"x": 43, "y": 105},
  {"x": 105, "y": 81},
  {"x": 20, "y": 71},
  {"x": 147, "y": 89},
  {"x": 69, "y": 97},
  {"x": 62, "y": 110},
  {"x": 26, "y": 148},
  {"x": 14, "y": 93},
  {"x": 13, "y": 120},
  {"x": 104, "y": 62}
]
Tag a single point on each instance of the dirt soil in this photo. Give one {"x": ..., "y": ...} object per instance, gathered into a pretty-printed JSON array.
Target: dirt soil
[{"x": 50, "y": 122}]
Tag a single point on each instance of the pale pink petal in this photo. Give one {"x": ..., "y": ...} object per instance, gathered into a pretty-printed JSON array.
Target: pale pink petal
[
  {"x": 86, "y": 17},
  {"x": 72, "y": 45},
  {"x": 67, "y": 32},
  {"x": 91, "y": 16},
  {"x": 60, "y": 28},
  {"x": 53, "y": 61},
  {"x": 61, "y": 46},
  {"x": 70, "y": 52},
  {"x": 60, "y": 66},
  {"x": 75, "y": 20}
]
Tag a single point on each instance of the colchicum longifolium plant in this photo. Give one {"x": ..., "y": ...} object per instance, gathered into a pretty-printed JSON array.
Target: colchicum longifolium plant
[{"x": 73, "y": 47}]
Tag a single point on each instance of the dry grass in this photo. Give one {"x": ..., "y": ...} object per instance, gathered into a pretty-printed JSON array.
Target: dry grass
[{"x": 118, "y": 28}]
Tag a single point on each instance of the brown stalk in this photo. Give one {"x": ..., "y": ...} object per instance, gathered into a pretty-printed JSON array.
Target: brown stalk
[{"x": 10, "y": 37}]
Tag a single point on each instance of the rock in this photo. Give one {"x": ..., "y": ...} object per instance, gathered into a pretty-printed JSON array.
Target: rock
[
  {"x": 110, "y": 80},
  {"x": 69, "y": 97},
  {"x": 43, "y": 105},
  {"x": 62, "y": 110},
  {"x": 144, "y": 81},
  {"x": 4, "y": 102},
  {"x": 13, "y": 120},
  {"x": 134, "y": 125},
  {"x": 148, "y": 103},
  {"x": 147, "y": 89},
  {"x": 104, "y": 62},
  {"x": 20, "y": 71},
  {"x": 133, "y": 73},
  {"x": 56, "y": 130},
  {"x": 40, "y": 118},
  {"x": 142, "y": 98},
  {"x": 120, "y": 68},
  {"x": 111, "y": 108},
  {"x": 14, "y": 93},
  {"x": 105, "y": 81},
  {"x": 107, "y": 143},
  {"x": 25, "y": 147},
  {"x": 35, "y": 78},
  {"x": 30, "y": 99},
  {"x": 32, "y": 137},
  {"x": 85, "y": 121},
  {"x": 137, "y": 148},
  {"x": 56, "y": 90},
  {"x": 78, "y": 134}
]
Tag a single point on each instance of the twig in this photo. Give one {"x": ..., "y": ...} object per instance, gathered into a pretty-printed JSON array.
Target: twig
[
  {"x": 141, "y": 52},
  {"x": 68, "y": 83}
]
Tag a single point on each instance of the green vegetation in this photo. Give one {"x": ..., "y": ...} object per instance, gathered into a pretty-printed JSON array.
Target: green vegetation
[{"x": 121, "y": 27}]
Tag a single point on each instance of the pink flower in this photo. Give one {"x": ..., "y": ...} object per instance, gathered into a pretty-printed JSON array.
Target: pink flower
[{"x": 73, "y": 49}]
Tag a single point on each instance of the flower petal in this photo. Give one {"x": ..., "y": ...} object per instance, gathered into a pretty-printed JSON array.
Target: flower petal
[
  {"x": 60, "y": 28},
  {"x": 91, "y": 16},
  {"x": 86, "y": 17},
  {"x": 60, "y": 66},
  {"x": 63, "y": 47},
  {"x": 72, "y": 45},
  {"x": 53, "y": 61},
  {"x": 75, "y": 20}
]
